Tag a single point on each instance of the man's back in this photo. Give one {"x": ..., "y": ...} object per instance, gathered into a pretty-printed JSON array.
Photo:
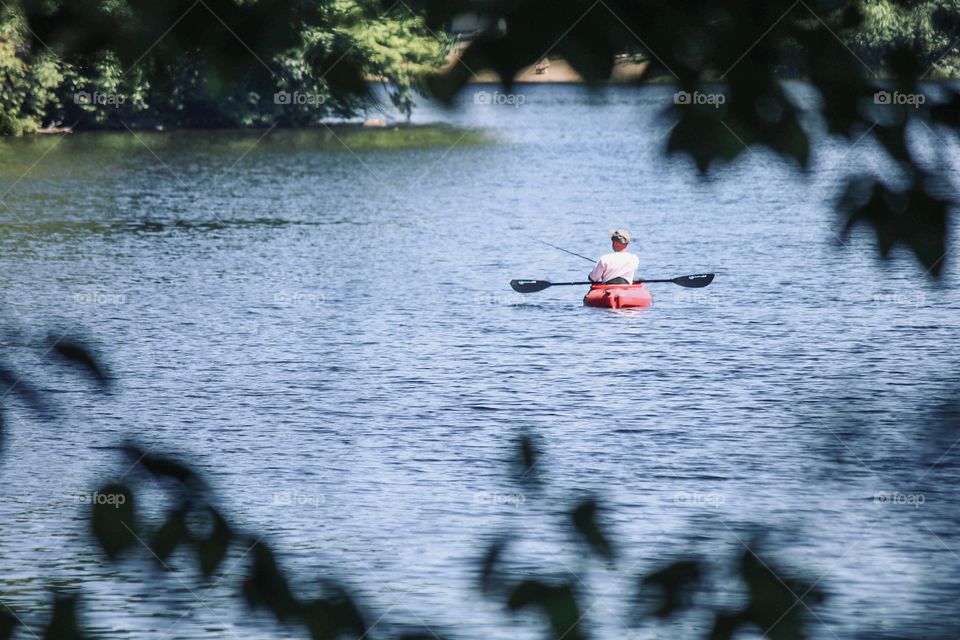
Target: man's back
[{"x": 617, "y": 264}]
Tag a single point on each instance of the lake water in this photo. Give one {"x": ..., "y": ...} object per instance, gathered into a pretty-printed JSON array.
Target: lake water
[{"x": 327, "y": 331}]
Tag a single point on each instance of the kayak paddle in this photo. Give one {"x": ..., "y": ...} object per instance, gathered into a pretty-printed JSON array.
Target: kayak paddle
[{"x": 532, "y": 286}]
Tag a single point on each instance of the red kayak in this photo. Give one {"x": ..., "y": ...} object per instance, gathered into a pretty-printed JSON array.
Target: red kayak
[{"x": 618, "y": 296}]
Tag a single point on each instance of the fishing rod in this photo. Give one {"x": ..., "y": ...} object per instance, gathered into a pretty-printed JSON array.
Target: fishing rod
[{"x": 562, "y": 249}]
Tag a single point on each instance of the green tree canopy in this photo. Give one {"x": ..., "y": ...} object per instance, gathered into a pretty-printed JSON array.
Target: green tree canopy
[{"x": 208, "y": 64}]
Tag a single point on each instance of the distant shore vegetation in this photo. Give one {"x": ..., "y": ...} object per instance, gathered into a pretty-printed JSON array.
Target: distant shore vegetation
[{"x": 227, "y": 64}]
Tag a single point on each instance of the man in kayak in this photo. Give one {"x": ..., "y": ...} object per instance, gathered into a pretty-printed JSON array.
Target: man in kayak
[{"x": 618, "y": 267}]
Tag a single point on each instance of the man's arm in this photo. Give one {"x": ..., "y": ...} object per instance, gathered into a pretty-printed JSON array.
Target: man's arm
[{"x": 597, "y": 274}]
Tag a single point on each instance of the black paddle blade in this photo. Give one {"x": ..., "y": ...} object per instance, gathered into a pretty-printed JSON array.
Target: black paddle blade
[
  {"x": 694, "y": 282},
  {"x": 529, "y": 286}
]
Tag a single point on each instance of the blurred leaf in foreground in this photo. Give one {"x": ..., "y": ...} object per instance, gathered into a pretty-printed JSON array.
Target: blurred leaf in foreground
[
  {"x": 585, "y": 522},
  {"x": 556, "y": 601},
  {"x": 778, "y": 604},
  {"x": 334, "y": 617},
  {"x": 676, "y": 583},
  {"x": 76, "y": 353},
  {"x": 63, "y": 622},
  {"x": 169, "y": 536},
  {"x": 212, "y": 549},
  {"x": 13, "y": 384},
  {"x": 267, "y": 587},
  {"x": 529, "y": 455},
  {"x": 161, "y": 466},
  {"x": 489, "y": 574},
  {"x": 913, "y": 218},
  {"x": 8, "y": 621},
  {"x": 114, "y": 523}
]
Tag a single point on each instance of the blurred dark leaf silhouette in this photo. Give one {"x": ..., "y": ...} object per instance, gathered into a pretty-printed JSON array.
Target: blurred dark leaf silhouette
[
  {"x": 529, "y": 455},
  {"x": 912, "y": 218},
  {"x": 335, "y": 616},
  {"x": 556, "y": 601},
  {"x": 16, "y": 385},
  {"x": 676, "y": 583},
  {"x": 778, "y": 605},
  {"x": 212, "y": 549},
  {"x": 161, "y": 466},
  {"x": 78, "y": 354},
  {"x": 489, "y": 566},
  {"x": 64, "y": 624},
  {"x": 166, "y": 539},
  {"x": 585, "y": 522},
  {"x": 8, "y": 622},
  {"x": 114, "y": 519},
  {"x": 266, "y": 586}
]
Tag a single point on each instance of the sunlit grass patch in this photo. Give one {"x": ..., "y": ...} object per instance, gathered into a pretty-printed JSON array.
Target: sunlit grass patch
[{"x": 360, "y": 138}]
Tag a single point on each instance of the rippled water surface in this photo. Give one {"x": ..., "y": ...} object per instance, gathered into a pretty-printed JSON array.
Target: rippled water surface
[{"x": 326, "y": 329}]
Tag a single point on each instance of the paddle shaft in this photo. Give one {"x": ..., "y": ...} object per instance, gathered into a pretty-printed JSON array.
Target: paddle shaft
[{"x": 560, "y": 284}]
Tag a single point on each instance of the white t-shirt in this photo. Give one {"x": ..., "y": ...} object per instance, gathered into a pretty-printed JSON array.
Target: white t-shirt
[{"x": 618, "y": 264}]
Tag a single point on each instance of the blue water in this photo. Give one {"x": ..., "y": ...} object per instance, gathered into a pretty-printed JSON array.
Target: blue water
[{"x": 329, "y": 335}]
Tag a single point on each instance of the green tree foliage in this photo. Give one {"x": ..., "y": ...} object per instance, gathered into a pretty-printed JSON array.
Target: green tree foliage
[
  {"x": 928, "y": 27},
  {"x": 399, "y": 51},
  {"x": 28, "y": 83},
  {"x": 115, "y": 64}
]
